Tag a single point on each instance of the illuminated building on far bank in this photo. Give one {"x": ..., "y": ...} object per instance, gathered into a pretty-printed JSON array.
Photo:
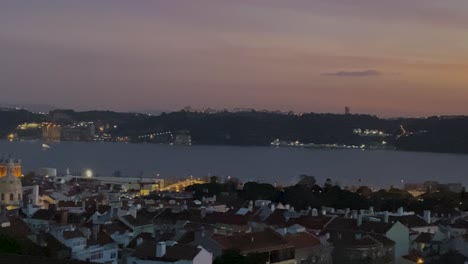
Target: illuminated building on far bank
[{"x": 51, "y": 131}]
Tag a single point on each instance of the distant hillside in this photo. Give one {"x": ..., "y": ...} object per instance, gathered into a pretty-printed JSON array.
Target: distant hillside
[
  {"x": 435, "y": 134},
  {"x": 10, "y": 118}
]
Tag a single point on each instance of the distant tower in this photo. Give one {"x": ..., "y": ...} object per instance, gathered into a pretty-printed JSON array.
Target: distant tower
[{"x": 347, "y": 110}]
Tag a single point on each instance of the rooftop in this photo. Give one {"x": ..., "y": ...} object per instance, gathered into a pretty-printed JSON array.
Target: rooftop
[
  {"x": 147, "y": 251},
  {"x": 260, "y": 241}
]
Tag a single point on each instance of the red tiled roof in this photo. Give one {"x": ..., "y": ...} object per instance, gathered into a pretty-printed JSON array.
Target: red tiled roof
[
  {"x": 143, "y": 236},
  {"x": 311, "y": 222},
  {"x": 104, "y": 239},
  {"x": 68, "y": 204},
  {"x": 226, "y": 218},
  {"x": 350, "y": 239},
  {"x": 425, "y": 238},
  {"x": 277, "y": 218},
  {"x": 376, "y": 227},
  {"x": 342, "y": 224},
  {"x": 409, "y": 220},
  {"x": 460, "y": 223},
  {"x": 18, "y": 228},
  {"x": 43, "y": 214},
  {"x": 118, "y": 227},
  {"x": 147, "y": 251},
  {"x": 103, "y": 208},
  {"x": 253, "y": 242},
  {"x": 9, "y": 258},
  {"x": 69, "y": 234},
  {"x": 302, "y": 240}
]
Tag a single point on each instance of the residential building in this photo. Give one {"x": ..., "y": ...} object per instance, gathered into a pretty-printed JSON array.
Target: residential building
[{"x": 152, "y": 252}]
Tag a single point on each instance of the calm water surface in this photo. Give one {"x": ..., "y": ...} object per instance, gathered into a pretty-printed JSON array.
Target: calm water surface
[{"x": 267, "y": 164}]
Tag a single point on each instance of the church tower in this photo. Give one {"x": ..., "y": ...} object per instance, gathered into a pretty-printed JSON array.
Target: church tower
[
  {"x": 11, "y": 189},
  {"x": 4, "y": 165}
]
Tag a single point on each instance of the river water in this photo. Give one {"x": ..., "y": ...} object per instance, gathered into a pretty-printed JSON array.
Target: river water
[{"x": 265, "y": 164}]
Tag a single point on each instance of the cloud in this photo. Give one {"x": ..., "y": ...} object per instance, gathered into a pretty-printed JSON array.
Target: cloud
[{"x": 366, "y": 73}]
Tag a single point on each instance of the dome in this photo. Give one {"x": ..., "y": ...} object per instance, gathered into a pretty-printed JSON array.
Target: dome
[{"x": 11, "y": 189}]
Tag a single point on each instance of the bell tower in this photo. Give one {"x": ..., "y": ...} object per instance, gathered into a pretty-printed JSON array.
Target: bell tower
[{"x": 16, "y": 171}]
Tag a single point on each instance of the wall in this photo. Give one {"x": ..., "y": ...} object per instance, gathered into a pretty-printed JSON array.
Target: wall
[
  {"x": 204, "y": 257},
  {"x": 400, "y": 235}
]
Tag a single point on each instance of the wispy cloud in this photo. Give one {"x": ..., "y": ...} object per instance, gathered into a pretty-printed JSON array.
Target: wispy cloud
[{"x": 366, "y": 73}]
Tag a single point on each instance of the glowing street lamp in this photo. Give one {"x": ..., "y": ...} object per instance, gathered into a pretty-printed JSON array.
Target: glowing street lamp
[{"x": 88, "y": 173}]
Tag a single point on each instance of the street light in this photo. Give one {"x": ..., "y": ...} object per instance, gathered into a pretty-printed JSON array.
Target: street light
[{"x": 89, "y": 173}]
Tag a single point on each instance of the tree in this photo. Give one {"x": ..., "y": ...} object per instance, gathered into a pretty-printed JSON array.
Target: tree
[
  {"x": 260, "y": 191},
  {"x": 205, "y": 190},
  {"x": 364, "y": 191},
  {"x": 231, "y": 184},
  {"x": 9, "y": 245},
  {"x": 29, "y": 179},
  {"x": 328, "y": 184},
  {"x": 230, "y": 257},
  {"x": 233, "y": 256},
  {"x": 306, "y": 181},
  {"x": 301, "y": 197}
]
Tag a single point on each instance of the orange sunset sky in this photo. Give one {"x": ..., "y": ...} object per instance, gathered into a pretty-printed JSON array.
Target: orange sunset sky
[{"x": 390, "y": 58}]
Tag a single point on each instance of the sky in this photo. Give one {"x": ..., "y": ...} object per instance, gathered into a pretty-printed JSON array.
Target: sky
[{"x": 389, "y": 58}]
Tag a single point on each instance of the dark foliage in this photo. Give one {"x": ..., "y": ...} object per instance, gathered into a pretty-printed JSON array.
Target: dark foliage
[{"x": 436, "y": 134}]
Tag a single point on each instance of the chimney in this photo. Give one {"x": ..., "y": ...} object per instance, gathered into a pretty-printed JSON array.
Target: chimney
[
  {"x": 199, "y": 234},
  {"x": 160, "y": 249},
  {"x": 427, "y": 216},
  {"x": 95, "y": 232},
  {"x": 272, "y": 207},
  {"x": 358, "y": 236},
  {"x": 324, "y": 238},
  {"x": 324, "y": 212},
  {"x": 139, "y": 241},
  {"x": 35, "y": 193},
  {"x": 359, "y": 220},
  {"x": 354, "y": 214},
  {"x": 64, "y": 218},
  {"x": 250, "y": 206},
  {"x": 314, "y": 212},
  {"x": 287, "y": 207},
  {"x": 133, "y": 211},
  {"x": 385, "y": 218},
  {"x": 371, "y": 210},
  {"x": 203, "y": 213},
  {"x": 401, "y": 211}
]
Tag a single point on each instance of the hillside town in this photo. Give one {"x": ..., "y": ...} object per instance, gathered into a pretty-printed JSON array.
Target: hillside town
[{"x": 86, "y": 219}]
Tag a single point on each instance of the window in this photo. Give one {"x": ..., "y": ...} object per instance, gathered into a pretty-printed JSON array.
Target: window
[
  {"x": 19, "y": 196},
  {"x": 3, "y": 197},
  {"x": 12, "y": 197},
  {"x": 96, "y": 256},
  {"x": 113, "y": 255}
]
